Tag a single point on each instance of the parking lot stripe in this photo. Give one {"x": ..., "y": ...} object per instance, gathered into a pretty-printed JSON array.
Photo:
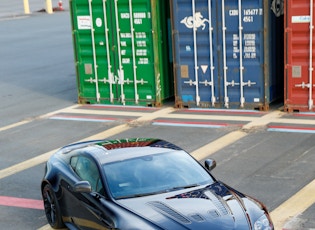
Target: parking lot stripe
[
  {"x": 25, "y": 164},
  {"x": 217, "y": 145},
  {"x": 294, "y": 206},
  {"x": 21, "y": 202},
  {"x": 32, "y": 119}
]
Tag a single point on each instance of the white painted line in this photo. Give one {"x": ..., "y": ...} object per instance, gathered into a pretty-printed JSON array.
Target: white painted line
[{"x": 187, "y": 125}]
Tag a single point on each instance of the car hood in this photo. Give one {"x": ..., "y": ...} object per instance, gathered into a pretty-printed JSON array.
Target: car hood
[{"x": 212, "y": 207}]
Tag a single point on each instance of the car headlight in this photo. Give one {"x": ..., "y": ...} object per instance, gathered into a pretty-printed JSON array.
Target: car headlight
[{"x": 263, "y": 223}]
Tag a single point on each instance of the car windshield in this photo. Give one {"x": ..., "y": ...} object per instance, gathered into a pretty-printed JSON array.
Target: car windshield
[{"x": 154, "y": 174}]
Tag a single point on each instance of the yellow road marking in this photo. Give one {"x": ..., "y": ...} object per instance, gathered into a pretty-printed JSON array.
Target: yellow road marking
[
  {"x": 30, "y": 120},
  {"x": 13, "y": 125},
  {"x": 217, "y": 145},
  {"x": 294, "y": 206}
]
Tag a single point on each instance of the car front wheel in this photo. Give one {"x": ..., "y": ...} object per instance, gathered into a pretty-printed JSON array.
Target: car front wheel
[{"x": 51, "y": 206}]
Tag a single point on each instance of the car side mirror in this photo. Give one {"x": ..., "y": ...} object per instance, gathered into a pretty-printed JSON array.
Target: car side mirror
[
  {"x": 82, "y": 187},
  {"x": 210, "y": 164}
]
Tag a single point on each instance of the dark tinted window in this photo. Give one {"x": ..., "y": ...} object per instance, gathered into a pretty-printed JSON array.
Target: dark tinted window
[{"x": 87, "y": 170}]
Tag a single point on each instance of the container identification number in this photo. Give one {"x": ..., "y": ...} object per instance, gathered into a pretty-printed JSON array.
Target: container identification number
[{"x": 248, "y": 14}]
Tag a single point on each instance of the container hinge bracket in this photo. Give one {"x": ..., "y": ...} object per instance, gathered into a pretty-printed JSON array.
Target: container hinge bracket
[
  {"x": 248, "y": 83},
  {"x": 123, "y": 81},
  {"x": 190, "y": 82},
  {"x": 206, "y": 83},
  {"x": 303, "y": 85},
  {"x": 232, "y": 83},
  {"x": 91, "y": 80},
  {"x": 141, "y": 81},
  {"x": 110, "y": 80}
]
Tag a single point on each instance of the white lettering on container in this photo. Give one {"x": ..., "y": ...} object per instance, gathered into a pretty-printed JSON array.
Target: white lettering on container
[
  {"x": 125, "y": 15},
  {"x": 250, "y": 46},
  {"x": 125, "y": 35},
  {"x": 139, "y": 15},
  {"x": 125, "y": 60},
  {"x": 141, "y": 52},
  {"x": 143, "y": 61},
  {"x": 137, "y": 21},
  {"x": 141, "y": 44},
  {"x": 141, "y": 35}
]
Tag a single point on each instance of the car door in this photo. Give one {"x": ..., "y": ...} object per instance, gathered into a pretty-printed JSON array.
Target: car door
[{"x": 85, "y": 209}]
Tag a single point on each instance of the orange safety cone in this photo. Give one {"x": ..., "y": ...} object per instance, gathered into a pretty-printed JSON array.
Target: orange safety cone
[{"x": 60, "y": 5}]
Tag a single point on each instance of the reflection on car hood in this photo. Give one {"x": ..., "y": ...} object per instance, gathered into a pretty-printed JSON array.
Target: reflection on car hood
[{"x": 212, "y": 207}]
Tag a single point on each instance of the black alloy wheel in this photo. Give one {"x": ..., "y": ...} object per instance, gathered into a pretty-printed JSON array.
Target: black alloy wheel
[{"x": 52, "y": 209}]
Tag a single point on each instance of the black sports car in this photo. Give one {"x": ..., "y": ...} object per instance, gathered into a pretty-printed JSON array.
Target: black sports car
[{"x": 141, "y": 183}]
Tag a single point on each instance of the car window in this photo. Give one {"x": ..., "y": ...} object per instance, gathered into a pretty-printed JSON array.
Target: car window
[
  {"x": 87, "y": 170},
  {"x": 154, "y": 174}
]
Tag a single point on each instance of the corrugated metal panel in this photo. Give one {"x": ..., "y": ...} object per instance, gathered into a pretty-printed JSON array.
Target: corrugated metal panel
[
  {"x": 299, "y": 55},
  {"x": 118, "y": 45},
  {"x": 223, "y": 53}
]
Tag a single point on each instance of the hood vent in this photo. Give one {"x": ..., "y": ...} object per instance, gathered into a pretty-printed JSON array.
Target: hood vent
[
  {"x": 217, "y": 202},
  {"x": 166, "y": 210},
  {"x": 197, "y": 217},
  {"x": 214, "y": 213}
]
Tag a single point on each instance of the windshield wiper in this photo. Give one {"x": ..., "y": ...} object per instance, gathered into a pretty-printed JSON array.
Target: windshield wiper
[
  {"x": 184, "y": 187},
  {"x": 138, "y": 195},
  {"x": 158, "y": 192}
]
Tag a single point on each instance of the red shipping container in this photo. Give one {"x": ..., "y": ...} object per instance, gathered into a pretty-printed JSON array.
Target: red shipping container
[{"x": 299, "y": 46}]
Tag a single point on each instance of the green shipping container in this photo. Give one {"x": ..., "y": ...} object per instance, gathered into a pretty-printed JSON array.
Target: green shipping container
[{"x": 121, "y": 51}]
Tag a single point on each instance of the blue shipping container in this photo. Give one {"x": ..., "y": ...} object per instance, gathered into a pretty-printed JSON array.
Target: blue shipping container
[{"x": 225, "y": 53}]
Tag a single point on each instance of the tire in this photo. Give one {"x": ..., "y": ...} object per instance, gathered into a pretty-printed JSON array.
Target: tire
[{"x": 52, "y": 208}]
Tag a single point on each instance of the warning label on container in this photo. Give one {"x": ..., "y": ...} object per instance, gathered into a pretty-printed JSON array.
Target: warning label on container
[{"x": 84, "y": 22}]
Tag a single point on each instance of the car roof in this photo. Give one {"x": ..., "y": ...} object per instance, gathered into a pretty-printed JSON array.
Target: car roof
[{"x": 106, "y": 151}]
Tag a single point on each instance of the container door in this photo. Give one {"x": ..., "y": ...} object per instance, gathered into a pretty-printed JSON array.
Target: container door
[
  {"x": 242, "y": 35},
  {"x": 222, "y": 53},
  {"x": 195, "y": 52},
  {"x": 94, "y": 61},
  {"x": 299, "y": 63},
  {"x": 135, "y": 57}
]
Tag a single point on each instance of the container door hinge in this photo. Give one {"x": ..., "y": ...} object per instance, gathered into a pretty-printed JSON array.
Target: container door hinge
[
  {"x": 248, "y": 83},
  {"x": 206, "y": 83},
  {"x": 232, "y": 83},
  {"x": 304, "y": 85},
  {"x": 190, "y": 82},
  {"x": 91, "y": 80}
]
